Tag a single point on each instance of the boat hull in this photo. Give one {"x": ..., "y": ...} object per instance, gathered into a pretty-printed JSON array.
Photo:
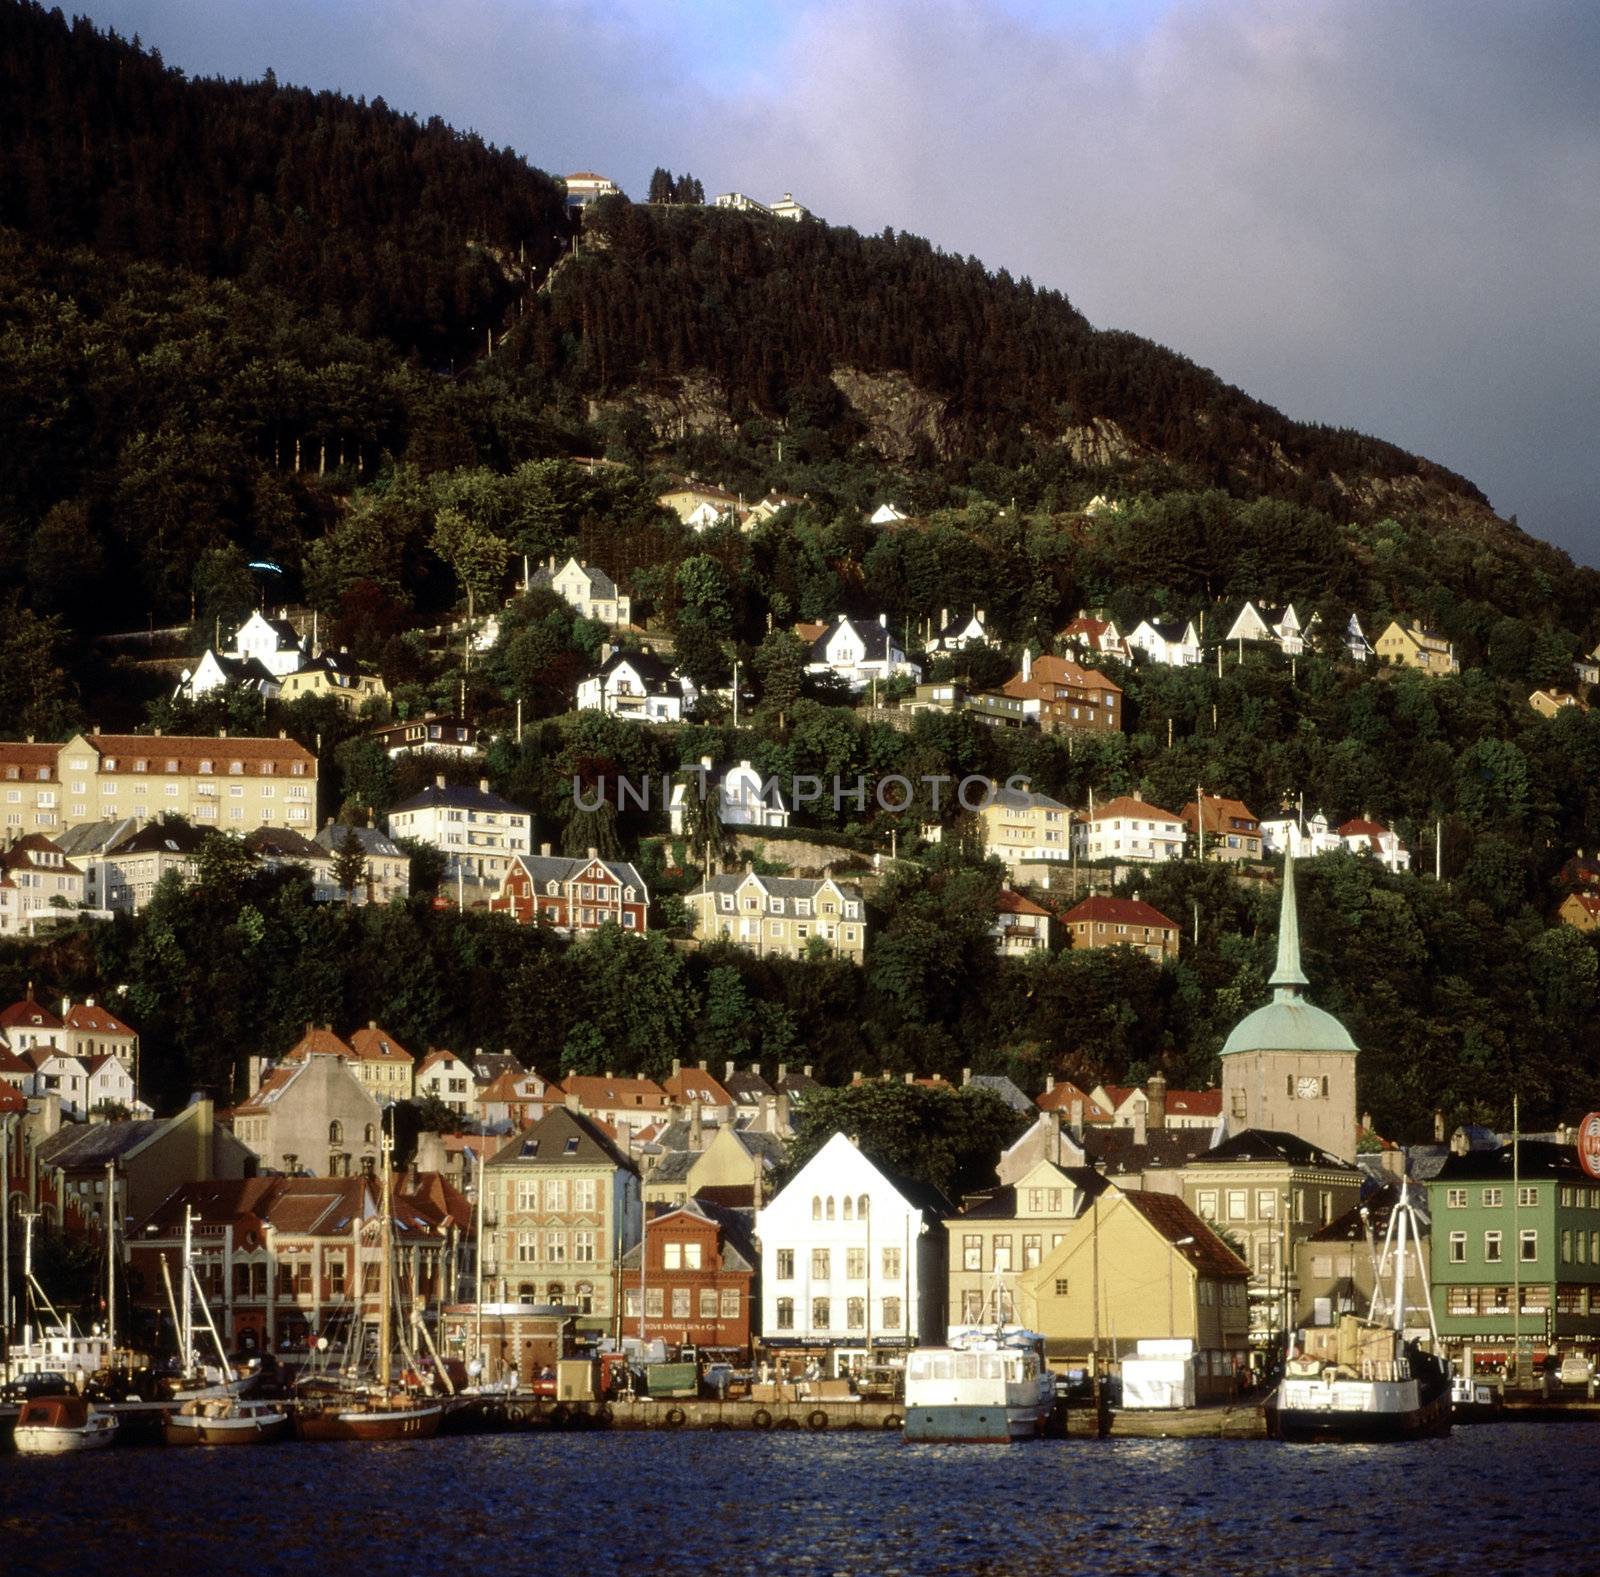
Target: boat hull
[
  {"x": 1429, "y": 1419},
  {"x": 181, "y": 1431},
  {"x": 52, "y": 1440},
  {"x": 354, "y": 1423},
  {"x": 974, "y": 1423}
]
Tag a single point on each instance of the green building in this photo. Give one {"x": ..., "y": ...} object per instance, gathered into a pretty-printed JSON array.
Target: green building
[{"x": 1516, "y": 1251}]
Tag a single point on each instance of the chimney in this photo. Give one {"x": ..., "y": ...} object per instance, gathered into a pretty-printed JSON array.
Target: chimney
[
  {"x": 1156, "y": 1090},
  {"x": 883, "y": 620},
  {"x": 609, "y": 1073},
  {"x": 781, "y": 1108},
  {"x": 1027, "y": 665},
  {"x": 439, "y": 780},
  {"x": 910, "y": 1078},
  {"x": 855, "y": 1076},
  {"x": 573, "y": 1104},
  {"x": 677, "y": 1067},
  {"x": 783, "y": 1071},
  {"x": 807, "y": 1070},
  {"x": 702, "y": 1065},
  {"x": 697, "y": 1137},
  {"x": 483, "y": 785},
  {"x": 727, "y": 1069},
  {"x": 966, "y": 1076},
  {"x": 544, "y": 849},
  {"x": 1077, "y": 1117},
  {"x": 1049, "y": 1082},
  {"x": 1438, "y": 1127},
  {"x": 1139, "y": 1135}
]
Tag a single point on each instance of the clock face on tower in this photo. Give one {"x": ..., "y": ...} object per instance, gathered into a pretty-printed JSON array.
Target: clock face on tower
[{"x": 1308, "y": 1088}]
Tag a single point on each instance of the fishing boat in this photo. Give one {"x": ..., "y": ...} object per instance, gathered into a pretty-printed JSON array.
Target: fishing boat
[
  {"x": 52, "y": 1425},
  {"x": 225, "y": 1421},
  {"x": 382, "y": 1410},
  {"x": 987, "y": 1385},
  {"x": 50, "y": 1342},
  {"x": 1382, "y": 1386}
]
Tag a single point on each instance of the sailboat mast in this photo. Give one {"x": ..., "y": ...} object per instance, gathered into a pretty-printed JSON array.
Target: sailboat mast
[
  {"x": 477, "y": 1271},
  {"x": 111, "y": 1260},
  {"x": 188, "y": 1295},
  {"x": 1401, "y": 1213},
  {"x": 384, "y": 1270}
]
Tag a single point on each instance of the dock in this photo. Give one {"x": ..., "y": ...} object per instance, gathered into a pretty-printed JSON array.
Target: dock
[{"x": 494, "y": 1412}]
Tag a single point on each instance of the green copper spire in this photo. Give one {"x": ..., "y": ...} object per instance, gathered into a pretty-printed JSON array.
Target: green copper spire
[{"x": 1288, "y": 975}]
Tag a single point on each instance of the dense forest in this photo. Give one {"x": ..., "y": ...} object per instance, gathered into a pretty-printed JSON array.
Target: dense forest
[{"x": 244, "y": 358}]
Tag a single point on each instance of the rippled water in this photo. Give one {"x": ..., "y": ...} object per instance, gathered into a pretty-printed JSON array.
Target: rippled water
[{"x": 1511, "y": 1498}]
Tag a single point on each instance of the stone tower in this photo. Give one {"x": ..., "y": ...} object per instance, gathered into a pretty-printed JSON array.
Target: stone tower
[{"x": 1289, "y": 1066}]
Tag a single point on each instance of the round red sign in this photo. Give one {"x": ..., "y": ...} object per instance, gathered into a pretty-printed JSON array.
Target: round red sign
[{"x": 1589, "y": 1144}]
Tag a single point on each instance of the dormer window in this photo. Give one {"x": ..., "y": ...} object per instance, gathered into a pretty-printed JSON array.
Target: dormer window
[
  {"x": 236, "y": 767},
  {"x": 172, "y": 766},
  {"x": 141, "y": 765},
  {"x": 110, "y": 763},
  {"x": 298, "y": 769},
  {"x": 550, "y": 889}
]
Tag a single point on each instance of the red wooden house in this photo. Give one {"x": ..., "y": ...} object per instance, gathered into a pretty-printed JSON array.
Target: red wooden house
[{"x": 697, "y": 1284}]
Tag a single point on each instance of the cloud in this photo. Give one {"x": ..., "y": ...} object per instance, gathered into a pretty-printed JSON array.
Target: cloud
[{"x": 1370, "y": 214}]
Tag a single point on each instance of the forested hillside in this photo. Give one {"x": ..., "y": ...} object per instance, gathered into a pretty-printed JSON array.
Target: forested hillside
[{"x": 244, "y": 325}]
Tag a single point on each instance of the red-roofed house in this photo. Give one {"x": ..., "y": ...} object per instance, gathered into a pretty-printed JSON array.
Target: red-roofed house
[
  {"x": 1122, "y": 922},
  {"x": 517, "y": 1099},
  {"x": 1062, "y": 1095},
  {"x": 27, "y": 1024},
  {"x": 627, "y": 1105},
  {"x": 1228, "y": 828},
  {"x": 1064, "y": 697},
  {"x": 1581, "y": 911},
  {"x": 1021, "y": 927},
  {"x": 1090, "y": 634},
  {"x": 382, "y": 1063},
  {"x": 1373, "y": 839},
  {"x": 94, "y": 1031},
  {"x": 690, "y": 1087}
]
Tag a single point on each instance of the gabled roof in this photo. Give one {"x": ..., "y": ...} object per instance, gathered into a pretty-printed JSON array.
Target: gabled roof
[
  {"x": 1000, "y": 1204},
  {"x": 562, "y": 1137},
  {"x": 1174, "y": 1220},
  {"x": 598, "y": 1091},
  {"x": 1273, "y": 1145},
  {"x": 1125, "y": 805},
  {"x": 1220, "y": 813},
  {"x": 1118, "y": 911},
  {"x": 651, "y": 669},
  {"x": 601, "y": 586},
  {"x": 28, "y": 1014},
  {"x": 458, "y": 796},
  {"x": 738, "y": 1247},
  {"x": 89, "y": 1018},
  {"x": 695, "y": 1084},
  {"x": 376, "y": 1044},
  {"x": 11, "y": 1098},
  {"x": 1023, "y": 799},
  {"x": 163, "y": 837},
  {"x": 95, "y": 837},
  {"x": 92, "y": 1145},
  {"x": 874, "y": 639},
  {"x": 1063, "y": 1093},
  {"x": 1535, "y": 1158},
  {"x": 561, "y": 869},
  {"x": 372, "y": 841},
  {"x": 1009, "y": 901},
  {"x": 1194, "y": 1103},
  {"x": 1375, "y": 1210},
  {"x": 436, "y": 1057},
  {"x": 317, "y": 1041},
  {"x": 999, "y": 1085},
  {"x": 747, "y": 1086},
  {"x": 1056, "y": 671},
  {"x": 190, "y": 750},
  {"x": 283, "y": 843},
  {"x": 1119, "y": 1148},
  {"x": 1359, "y": 827}
]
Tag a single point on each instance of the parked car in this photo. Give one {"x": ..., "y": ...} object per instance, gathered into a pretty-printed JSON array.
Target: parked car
[
  {"x": 1576, "y": 1369},
  {"x": 35, "y": 1383}
]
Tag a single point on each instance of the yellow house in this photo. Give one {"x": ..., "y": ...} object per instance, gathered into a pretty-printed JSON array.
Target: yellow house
[
  {"x": 1153, "y": 1270},
  {"x": 1581, "y": 911},
  {"x": 780, "y": 916},
  {"x": 1022, "y": 827},
  {"x": 1548, "y": 702},
  {"x": 1411, "y": 646},
  {"x": 737, "y": 1166},
  {"x": 335, "y": 674}
]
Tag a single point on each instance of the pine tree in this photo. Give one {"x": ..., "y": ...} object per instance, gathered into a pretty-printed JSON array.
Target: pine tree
[
  {"x": 661, "y": 186},
  {"x": 349, "y": 865}
]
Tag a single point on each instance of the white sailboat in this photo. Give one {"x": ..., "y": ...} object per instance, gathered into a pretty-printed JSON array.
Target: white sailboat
[{"x": 198, "y": 1379}]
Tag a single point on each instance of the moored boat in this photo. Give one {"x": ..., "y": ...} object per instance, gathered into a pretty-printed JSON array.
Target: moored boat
[
  {"x": 1381, "y": 1387},
  {"x": 381, "y": 1416},
  {"x": 225, "y": 1421},
  {"x": 984, "y": 1387},
  {"x": 51, "y": 1425}
]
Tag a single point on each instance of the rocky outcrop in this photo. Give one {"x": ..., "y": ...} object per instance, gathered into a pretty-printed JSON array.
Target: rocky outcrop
[
  {"x": 1098, "y": 442},
  {"x": 675, "y": 407},
  {"x": 901, "y": 420}
]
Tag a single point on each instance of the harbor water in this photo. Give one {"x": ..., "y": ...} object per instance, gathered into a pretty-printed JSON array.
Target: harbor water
[{"x": 1507, "y": 1498}]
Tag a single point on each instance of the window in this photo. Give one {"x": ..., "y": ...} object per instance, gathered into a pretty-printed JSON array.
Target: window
[
  {"x": 785, "y": 1264},
  {"x": 655, "y": 1303},
  {"x": 1061, "y": 1286},
  {"x": 672, "y": 1256},
  {"x": 1493, "y": 1198},
  {"x": 527, "y": 1195},
  {"x": 1527, "y": 1196},
  {"x": 830, "y": 1207},
  {"x": 555, "y": 1194},
  {"x": 971, "y": 1251},
  {"x": 785, "y": 1314},
  {"x": 1458, "y": 1248},
  {"x": 971, "y": 1307},
  {"x": 816, "y": 1207},
  {"x": 1002, "y": 1252},
  {"x": 891, "y": 1314},
  {"x": 1032, "y": 1250},
  {"x": 1208, "y": 1204},
  {"x": 1266, "y": 1204},
  {"x": 819, "y": 1265},
  {"x": 691, "y": 1256},
  {"x": 527, "y": 1247},
  {"x": 1566, "y": 1248},
  {"x": 1459, "y": 1300},
  {"x": 730, "y": 1303},
  {"x": 555, "y": 1247},
  {"x": 583, "y": 1247},
  {"x": 861, "y": 1207},
  {"x": 855, "y": 1314},
  {"x": 1456, "y": 1199},
  {"x": 1238, "y": 1204},
  {"x": 335, "y": 1133},
  {"x": 820, "y": 1314},
  {"x": 708, "y": 1303},
  {"x": 891, "y": 1264},
  {"x": 855, "y": 1264},
  {"x": 1528, "y": 1244},
  {"x": 680, "y": 1303},
  {"x": 1491, "y": 1247}
]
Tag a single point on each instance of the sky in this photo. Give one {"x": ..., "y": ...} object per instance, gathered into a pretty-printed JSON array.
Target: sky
[{"x": 1382, "y": 214}]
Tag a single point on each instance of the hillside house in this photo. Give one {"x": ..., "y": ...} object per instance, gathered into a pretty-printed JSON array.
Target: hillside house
[
  {"x": 1122, "y": 922},
  {"x": 1411, "y": 646},
  {"x": 573, "y": 896},
  {"x": 586, "y": 589},
  {"x": 1128, "y": 828},
  {"x": 638, "y": 687},
  {"x": 1062, "y": 697},
  {"x": 744, "y": 799},
  {"x": 1093, "y": 635},
  {"x": 780, "y": 916},
  {"x": 1225, "y": 830},
  {"x": 479, "y": 832},
  {"x": 1173, "y": 644},
  {"x": 860, "y": 652}
]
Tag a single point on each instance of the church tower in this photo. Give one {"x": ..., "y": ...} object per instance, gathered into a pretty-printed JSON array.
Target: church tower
[{"x": 1289, "y": 1066}]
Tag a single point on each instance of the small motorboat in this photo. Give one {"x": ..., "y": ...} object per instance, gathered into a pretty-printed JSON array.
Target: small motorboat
[
  {"x": 50, "y": 1425},
  {"x": 225, "y": 1421}
]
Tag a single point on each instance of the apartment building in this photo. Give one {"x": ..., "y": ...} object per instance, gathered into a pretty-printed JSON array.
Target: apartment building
[
  {"x": 479, "y": 833},
  {"x": 1127, "y": 828},
  {"x": 231, "y": 783},
  {"x": 780, "y": 916},
  {"x": 1020, "y": 826}
]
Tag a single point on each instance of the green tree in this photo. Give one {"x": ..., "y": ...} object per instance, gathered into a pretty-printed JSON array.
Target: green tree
[
  {"x": 780, "y": 665},
  {"x": 349, "y": 865}
]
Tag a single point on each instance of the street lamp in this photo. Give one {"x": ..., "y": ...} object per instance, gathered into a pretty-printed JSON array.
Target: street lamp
[{"x": 1172, "y": 1322}]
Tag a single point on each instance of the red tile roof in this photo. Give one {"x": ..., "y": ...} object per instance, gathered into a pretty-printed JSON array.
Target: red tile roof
[
  {"x": 1223, "y": 815},
  {"x": 695, "y": 1084},
  {"x": 93, "y": 1019},
  {"x": 1064, "y": 1094},
  {"x": 1118, "y": 911},
  {"x": 29, "y": 761},
  {"x": 11, "y": 1098},
  {"x": 595, "y": 1091},
  {"x": 1194, "y": 1103},
  {"x": 189, "y": 751},
  {"x": 375, "y": 1044},
  {"x": 1588, "y": 902},
  {"x": 1174, "y": 1220},
  {"x": 1009, "y": 902},
  {"x": 318, "y": 1042},
  {"x": 1053, "y": 671},
  {"x": 28, "y": 1014}
]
